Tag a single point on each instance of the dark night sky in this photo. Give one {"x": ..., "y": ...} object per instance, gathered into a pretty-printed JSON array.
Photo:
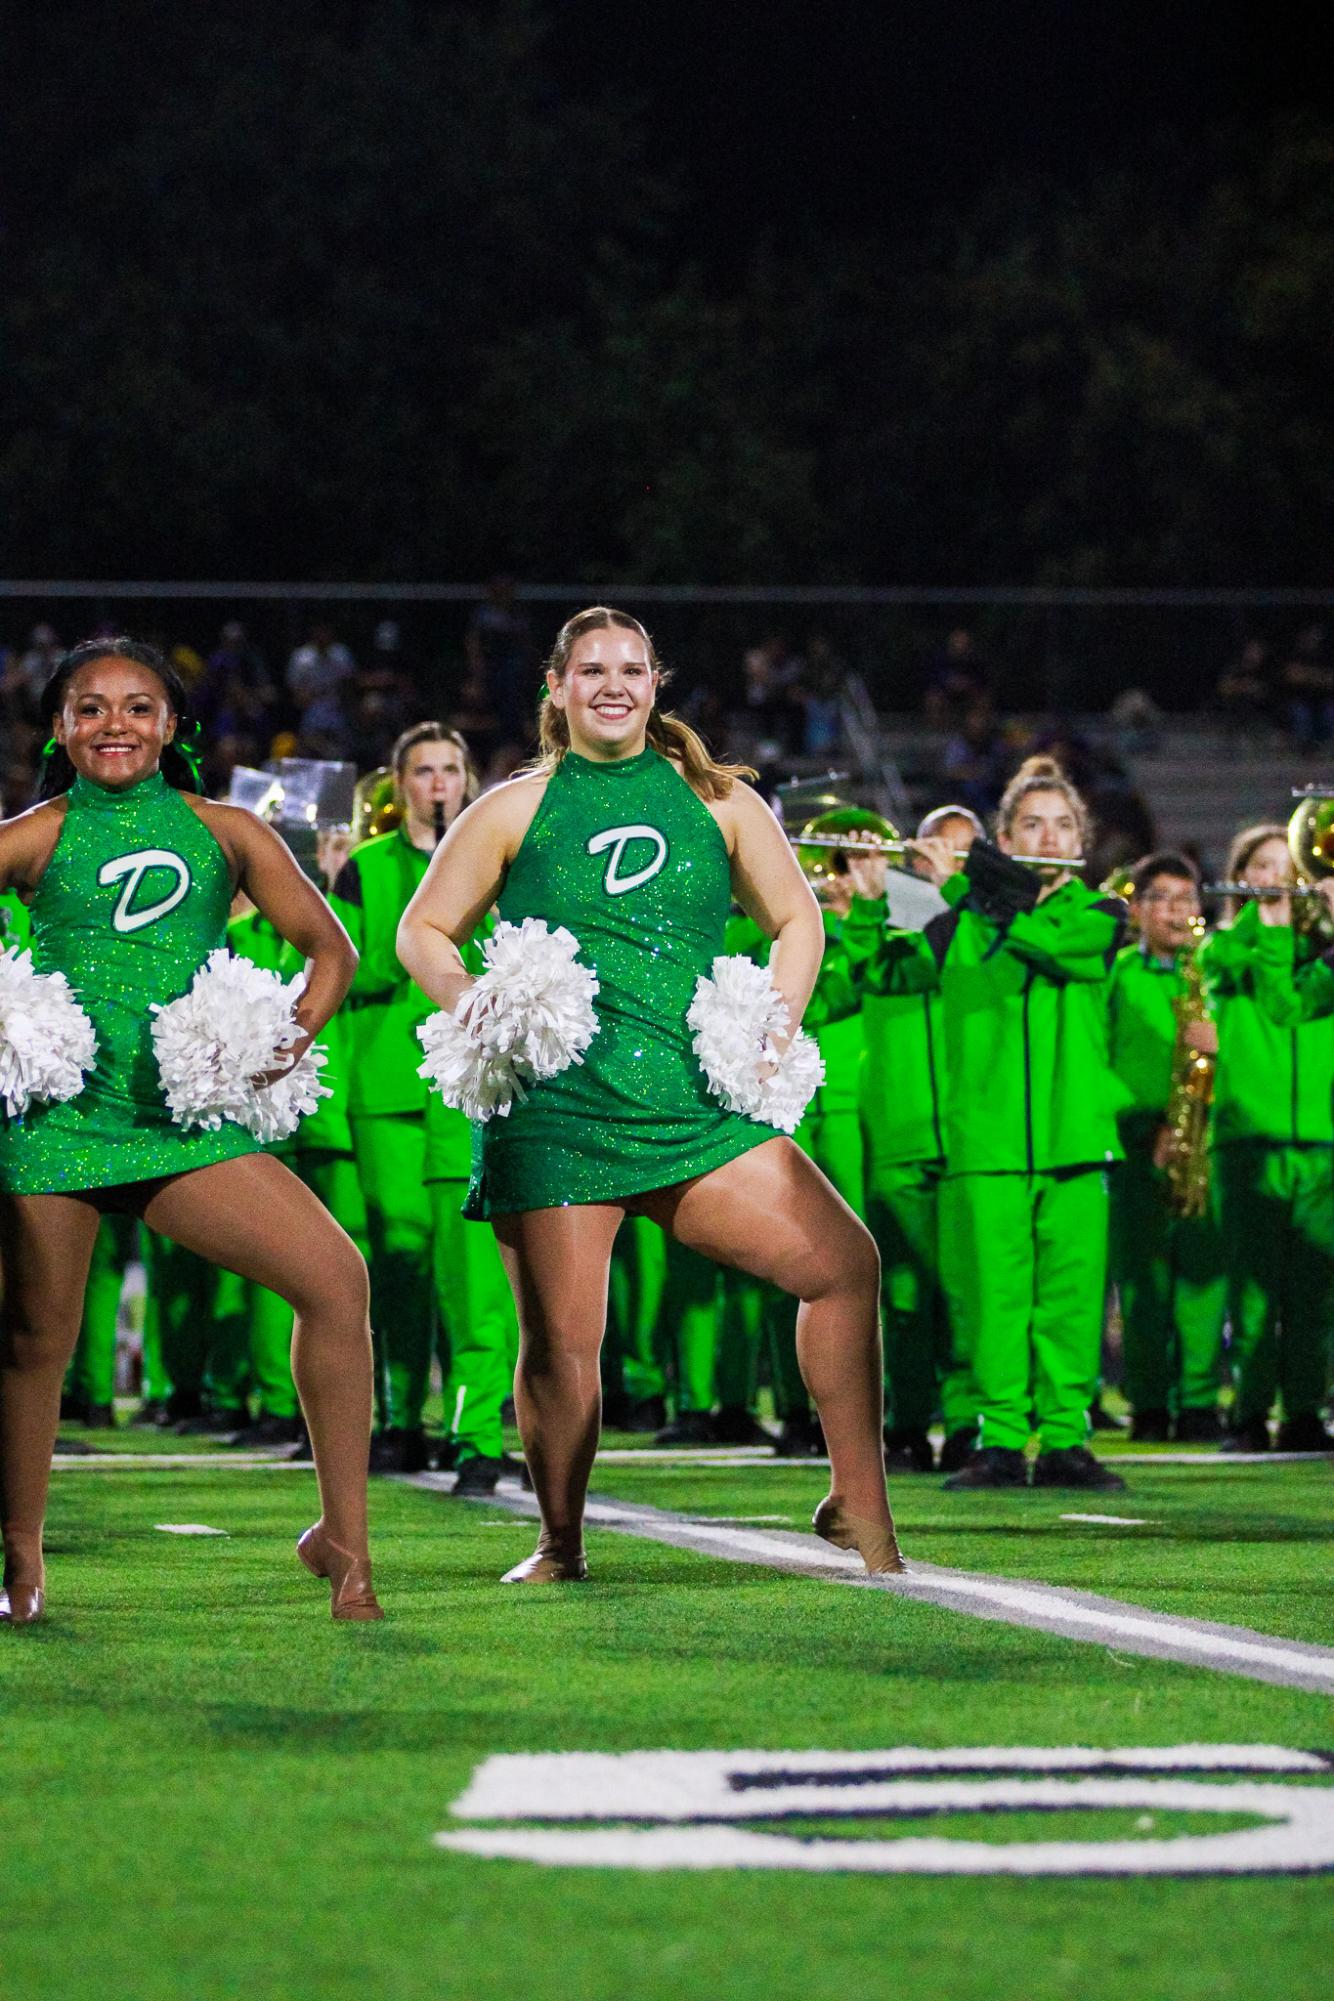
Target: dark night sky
[{"x": 859, "y": 118}]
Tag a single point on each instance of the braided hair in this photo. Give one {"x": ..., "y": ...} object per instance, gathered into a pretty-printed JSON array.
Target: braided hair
[{"x": 179, "y": 764}]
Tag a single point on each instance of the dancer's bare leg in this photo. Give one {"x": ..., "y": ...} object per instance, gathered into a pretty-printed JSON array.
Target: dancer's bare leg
[
  {"x": 47, "y": 1246},
  {"x": 254, "y": 1217},
  {"x": 773, "y": 1214},
  {"x": 557, "y": 1262}
]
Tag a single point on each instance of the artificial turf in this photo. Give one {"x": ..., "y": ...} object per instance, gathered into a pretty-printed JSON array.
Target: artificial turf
[{"x": 209, "y": 1790}]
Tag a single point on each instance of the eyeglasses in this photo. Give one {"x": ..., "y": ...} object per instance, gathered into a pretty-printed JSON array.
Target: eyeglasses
[{"x": 1184, "y": 900}]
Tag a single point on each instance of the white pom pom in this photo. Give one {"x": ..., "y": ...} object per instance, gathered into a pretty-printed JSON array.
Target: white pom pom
[
  {"x": 47, "y": 1043},
  {"x": 736, "y": 1015},
  {"x": 236, "y": 1022},
  {"x": 527, "y": 1017}
]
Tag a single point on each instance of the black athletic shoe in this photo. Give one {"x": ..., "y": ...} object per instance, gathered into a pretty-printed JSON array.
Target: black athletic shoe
[
  {"x": 908, "y": 1451},
  {"x": 152, "y": 1412},
  {"x": 477, "y": 1475},
  {"x": 446, "y": 1456},
  {"x": 992, "y": 1466},
  {"x": 266, "y": 1430},
  {"x": 397, "y": 1450},
  {"x": 1075, "y": 1466},
  {"x": 301, "y": 1453},
  {"x": 71, "y": 1408},
  {"x": 100, "y": 1416},
  {"x": 182, "y": 1404},
  {"x": 214, "y": 1423},
  {"x": 688, "y": 1427},
  {"x": 734, "y": 1425},
  {"x": 1253, "y": 1436},
  {"x": 1102, "y": 1420},
  {"x": 1304, "y": 1434},
  {"x": 1199, "y": 1427},
  {"x": 1151, "y": 1427},
  {"x": 958, "y": 1449},
  {"x": 799, "y": 1438}
]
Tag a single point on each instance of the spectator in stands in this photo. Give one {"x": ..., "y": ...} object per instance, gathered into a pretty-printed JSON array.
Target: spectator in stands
[
  {"x": 957, "y": 680},
  {"x": 1244, "y": 694},
  {"x": 975, "y": 759},
  {"x": 38, "y": 663},
  {"x": 320, "y": 666},
  {"x": 1307, "y": 690},
  {"x": 499, "y": 646},
  {"x": 772, "y": 674},
  {"x": 386, "y": 695},
  {"x": 818, "y": 694},
  {"x": 236, "y": 703},
  {"x": 320, "y": 676}
]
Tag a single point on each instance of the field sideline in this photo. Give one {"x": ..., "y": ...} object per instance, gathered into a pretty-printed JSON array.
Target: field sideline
[{"x": 209, "y": 1790}]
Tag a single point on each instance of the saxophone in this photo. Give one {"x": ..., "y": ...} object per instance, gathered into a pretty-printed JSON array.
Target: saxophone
[{"x": 1190, "y": 1099}]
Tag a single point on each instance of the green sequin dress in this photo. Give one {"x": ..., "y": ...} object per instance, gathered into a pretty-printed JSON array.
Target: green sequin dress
[
  {"x": 133, "y": 900},
  {"x": 629, "y": 859}
]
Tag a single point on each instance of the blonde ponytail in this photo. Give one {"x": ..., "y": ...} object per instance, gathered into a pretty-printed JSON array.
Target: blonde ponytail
[{"x": 1041, "y": 774}]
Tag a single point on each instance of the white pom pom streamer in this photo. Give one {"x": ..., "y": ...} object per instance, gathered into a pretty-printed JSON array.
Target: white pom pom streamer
[
  {"x": 527, "y": 1017},
  {"x": 47, "y": 1043},
  {"x": 735, "y": 1015},
  {"x": 236, "y": 1022}
]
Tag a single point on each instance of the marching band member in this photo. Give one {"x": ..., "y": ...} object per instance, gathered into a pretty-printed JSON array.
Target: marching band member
[
  {"x": 1167, "y": 1268},
  {"x": 1274, "y": 1152}
]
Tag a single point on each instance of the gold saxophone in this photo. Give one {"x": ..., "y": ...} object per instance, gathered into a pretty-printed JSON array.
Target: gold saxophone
[{"x": 1191, "y": 1097}]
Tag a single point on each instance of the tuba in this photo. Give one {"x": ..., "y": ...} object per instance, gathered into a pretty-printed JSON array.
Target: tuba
[
  {"x": 1311, "y": 845},
  {"x": 375, "y": 805},
  {"x": 823, "y": 843}
]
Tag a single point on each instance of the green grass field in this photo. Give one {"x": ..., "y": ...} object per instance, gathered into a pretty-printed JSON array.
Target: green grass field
[{"x": 209, "y": 1790}]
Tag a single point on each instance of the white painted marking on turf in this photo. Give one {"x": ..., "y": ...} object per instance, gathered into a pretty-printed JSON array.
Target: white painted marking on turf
[
  {"x": 698, "y": 1797},
  {"x": 1113, "y": 1521},
  {"x": 1076, "y": 1615},
  {"x": 186, "y": 1528}
]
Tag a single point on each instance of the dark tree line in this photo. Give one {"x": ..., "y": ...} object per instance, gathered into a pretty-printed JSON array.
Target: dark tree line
[{"x": 334, "y": 290}]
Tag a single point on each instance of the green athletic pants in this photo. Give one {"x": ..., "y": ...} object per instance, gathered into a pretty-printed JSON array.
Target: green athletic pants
[
  {"x": 391, "y": 1159},
  {"x": 1024, "y": 1265},
  {"x": 632, "y": 1356},
  {"x": 479, "y": 1332},
  {"x": 1169, "y": 1276},
  {"x": 703, "y": 1349},
  {"x": 902, "y": 1210},
  {"x": 1277, "y": 1207},
  {"x": 198, "y": 1358},
  {"x": 92, "y": 1370}
]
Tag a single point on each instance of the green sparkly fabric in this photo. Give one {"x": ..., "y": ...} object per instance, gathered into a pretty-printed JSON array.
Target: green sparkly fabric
[
  {"x": 630, "y": 860},
  {"x": 133, "y": 900}
]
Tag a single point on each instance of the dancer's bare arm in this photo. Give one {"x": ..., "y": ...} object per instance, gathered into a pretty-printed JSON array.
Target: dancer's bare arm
[
  {"x": 771, "y": 888},
  {"x": 27, "y": 843},
  {"x": 263, "y": 866},
  {"x": 460, "y": 886}
]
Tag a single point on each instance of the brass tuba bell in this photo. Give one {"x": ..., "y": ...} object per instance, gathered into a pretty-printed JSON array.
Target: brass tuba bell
[
  {"x": 821, "y": 841},
  {"x": 1311, "y": 846},
  {"x": 376, "y": 808}
]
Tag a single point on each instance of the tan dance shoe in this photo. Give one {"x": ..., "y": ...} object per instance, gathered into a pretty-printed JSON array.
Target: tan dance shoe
[
  {"x": 550, "y": 1563},
  {"x": 351, "y": 1592},
  {"x": 877, "y": 1545},
  {"x": 22, "y": 1604}
]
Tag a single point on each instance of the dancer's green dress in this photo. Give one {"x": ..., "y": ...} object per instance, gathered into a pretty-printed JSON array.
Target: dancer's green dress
[
  {"x": 133, "y": 900},
  {"x": 631, "y": 861}
]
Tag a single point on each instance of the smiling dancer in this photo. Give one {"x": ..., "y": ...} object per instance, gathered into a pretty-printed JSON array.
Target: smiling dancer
[
  {"x": 630, "y": 834},
  {"x": 129, "y": 877}
]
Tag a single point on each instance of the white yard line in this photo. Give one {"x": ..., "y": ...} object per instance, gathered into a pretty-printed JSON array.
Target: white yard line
[{"x": 1076, "y": 1615}]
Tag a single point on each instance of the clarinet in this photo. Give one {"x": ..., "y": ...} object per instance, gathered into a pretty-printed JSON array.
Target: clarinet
[{"x": 439, "y": 821}]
